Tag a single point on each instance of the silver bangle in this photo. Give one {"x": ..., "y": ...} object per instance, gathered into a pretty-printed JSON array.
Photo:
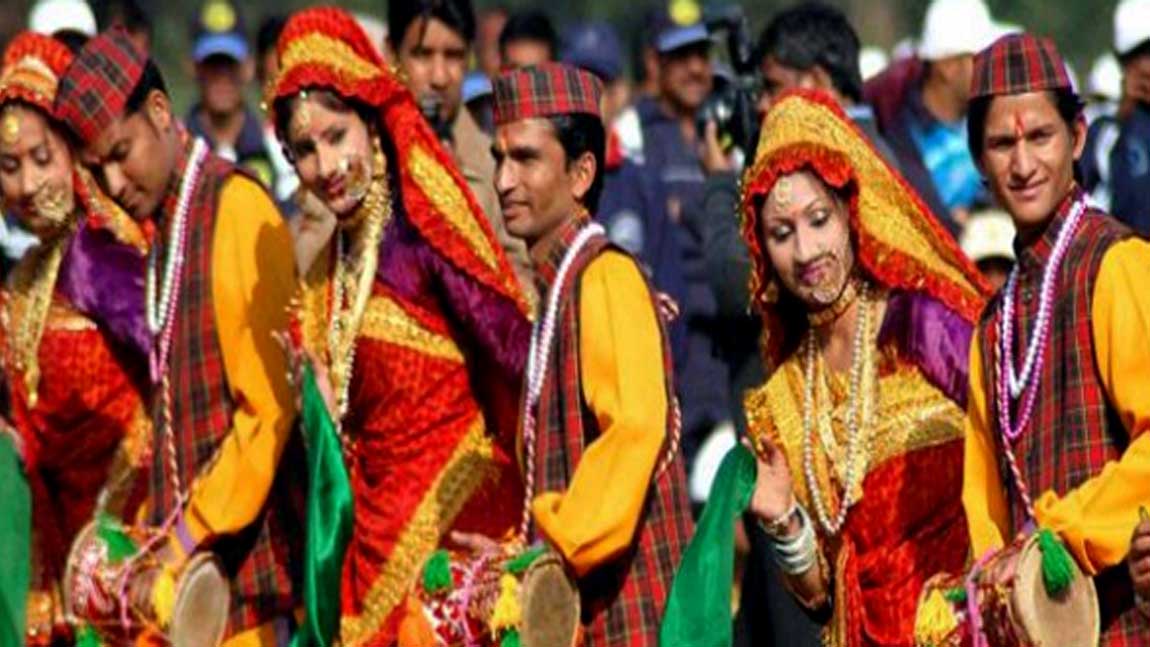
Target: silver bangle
[{"x": 798, "y": 554}]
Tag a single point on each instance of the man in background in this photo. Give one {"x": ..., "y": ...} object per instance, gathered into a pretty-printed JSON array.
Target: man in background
[
  {"x": 223, "y": 68},
  {"x": 429, "y": 41},
  {"x": 528, "y": 39}
]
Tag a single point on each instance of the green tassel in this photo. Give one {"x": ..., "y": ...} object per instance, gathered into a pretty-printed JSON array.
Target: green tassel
[
  {"x": 120, "y": 545},
  {"x": 1057, "y": 565},
  {"x": 510, "y": 639},
  {"x": 437, "y": 572},
  {"x": 520, "y": 564},
  {"x": 87, "y": 637},
  {"x": 957, "y": 595}
]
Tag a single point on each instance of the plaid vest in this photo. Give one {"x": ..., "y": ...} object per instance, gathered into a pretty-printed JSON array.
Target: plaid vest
[
  {"x": 262, "y": 561},
  {"x": 623, "y": 601},
  {"x": 1074, "y": 430}
]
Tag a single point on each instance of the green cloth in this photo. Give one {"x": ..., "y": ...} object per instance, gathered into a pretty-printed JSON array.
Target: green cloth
[
  {"x": 329, "y": 512},
  {"x": 15, "y": 543},
  {"x": 698, "y": 610}
]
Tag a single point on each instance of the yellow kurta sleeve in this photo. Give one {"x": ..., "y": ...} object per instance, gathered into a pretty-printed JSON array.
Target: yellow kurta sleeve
[
  {"x": 253, "y": 279},
  {"x": 621, "y": 368},
  {"x": 1097, "y": 518},
  {"x": 983, "y": 496}
]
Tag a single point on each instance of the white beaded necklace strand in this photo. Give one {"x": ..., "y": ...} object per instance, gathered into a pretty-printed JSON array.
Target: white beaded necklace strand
[
  {"x": 537, "y": 358},
  {"x": 854, "y": 433},
  {"x": 157, "y": 313}
]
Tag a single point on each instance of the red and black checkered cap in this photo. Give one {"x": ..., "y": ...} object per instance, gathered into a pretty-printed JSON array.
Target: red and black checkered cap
[
  {"x": 545, "y": 90},
  {"x": 1017, "y": 64},
  {"x": 97, "y": 85}
]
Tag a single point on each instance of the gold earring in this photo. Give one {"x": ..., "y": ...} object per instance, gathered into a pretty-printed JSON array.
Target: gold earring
[{"x": 771, "y": 292}]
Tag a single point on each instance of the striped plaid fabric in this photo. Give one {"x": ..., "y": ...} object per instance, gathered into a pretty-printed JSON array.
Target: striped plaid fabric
[
  {"x": 261, "y": 561},
  {"x": 1017, "y": 64},
  {"x": 1074, "y": 430},
  {"x": 622, "y": 602},
  {"x": 545, "y": 90},
  {"x": 97, "y": 85}
]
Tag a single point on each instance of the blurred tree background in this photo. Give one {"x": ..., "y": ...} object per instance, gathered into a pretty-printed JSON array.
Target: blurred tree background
[{"x": 1083, "y": 30}]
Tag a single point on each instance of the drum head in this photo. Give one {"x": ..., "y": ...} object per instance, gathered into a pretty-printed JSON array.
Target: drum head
[
  {"x": 202, "y": 602},
  {"x": 1069, "y": 620},
  {"x": 550, "y": 605}
]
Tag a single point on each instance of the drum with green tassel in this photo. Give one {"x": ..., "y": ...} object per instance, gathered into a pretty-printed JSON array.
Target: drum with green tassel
[
  {"x": 505, "y": 598},
  {"x": 106, "y": 571},
  {"x": 1043, "y": 598}
]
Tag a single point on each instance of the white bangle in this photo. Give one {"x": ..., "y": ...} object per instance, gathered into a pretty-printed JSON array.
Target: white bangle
[{"x": 798, "y": 554}]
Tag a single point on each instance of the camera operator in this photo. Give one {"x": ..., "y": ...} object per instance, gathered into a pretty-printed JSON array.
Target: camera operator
[{"x": 429, "y": 40}]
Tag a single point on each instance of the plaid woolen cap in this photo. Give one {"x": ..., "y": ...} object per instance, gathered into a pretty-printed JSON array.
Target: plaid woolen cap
[
  {"x": 97, "y": 85},
  {"x": 545, "y": 90},
  {"x": 1017, "y": 64}
]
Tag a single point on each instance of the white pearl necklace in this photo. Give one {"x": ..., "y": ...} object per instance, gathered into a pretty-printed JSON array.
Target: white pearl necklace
[
  {"x": 537, "y": 358},
  {"x": 854, "y": 436},
  {"x": 1018, "y": 381},
  {"x": 159, "y": 313}
]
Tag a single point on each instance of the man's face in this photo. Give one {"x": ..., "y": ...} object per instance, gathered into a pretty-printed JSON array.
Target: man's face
[
  {"x": 221, "y": 79},
  {"x": 35, "y": 171},
  {"x": 433, "y": 57},
  {"x": 525, "y": 53},
  {"x": 778, "y": 78},
  {"x": 685, "y": 76},
  {"x": 1028, "y": 156},
  {"x": 956, "y": 71},
  {"x": 537, "y": 188},
  {"x": 134, "y": 158},
  {"x": 616, "y": 98},
  {"x": 269, "y": 66},
  {"x": 1136, "y": 79},
  {"x": 487, "y": 49}
]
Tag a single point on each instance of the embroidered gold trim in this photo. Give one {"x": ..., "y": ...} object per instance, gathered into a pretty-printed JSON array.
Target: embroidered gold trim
[
  {"x": 386, "y": 321},
  {"x": 448, "y": 199},
  {"x": 467, "y": 469},
  {"x": 320, "y": 49},
  {"x": 33, "y": 284}
]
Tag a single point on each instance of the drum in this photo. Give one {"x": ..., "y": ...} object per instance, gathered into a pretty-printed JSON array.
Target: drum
[
  {"x": 96, "y": 590},
  {"x": 1018, "y": 613},
  {"x": 489, "y": 594}
]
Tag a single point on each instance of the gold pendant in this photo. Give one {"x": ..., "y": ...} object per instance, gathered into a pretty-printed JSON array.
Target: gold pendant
[
  {"x": 301, "y": 120},
  {"x": 10, "y": 127},
  {"x": 782, "y": 192}
]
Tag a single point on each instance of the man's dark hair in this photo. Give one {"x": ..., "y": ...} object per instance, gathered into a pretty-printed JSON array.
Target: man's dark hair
[
  {"x": 578, "y": 134},
  {"x": 458, "y": 15},
  {"x": 815, "y": 34},
  {"x": 150, "y": 79},
  {"x": 73, "y": 40},
  {"x": 1138, "y": 52},
  {"x": 530, "y": 25},
  {"x": 269, "y": 33},
  {"x": 1066, "y": 101},
  {"x": 128, "y": 13}
]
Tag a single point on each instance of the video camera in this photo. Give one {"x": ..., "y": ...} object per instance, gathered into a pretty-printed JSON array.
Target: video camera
[{"x": 732, "y": 106}]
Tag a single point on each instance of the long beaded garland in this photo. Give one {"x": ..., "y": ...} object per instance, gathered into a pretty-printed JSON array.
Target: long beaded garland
[
  {"x": 1011, "y": 385},
  {"x": 854, "y": 434},
  {"x": 160, "y": 314},
  {"x": 541, "y": 336}
]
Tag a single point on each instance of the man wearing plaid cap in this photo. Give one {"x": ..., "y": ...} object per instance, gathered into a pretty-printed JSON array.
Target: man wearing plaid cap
[
  {"x": 605, "y": 482},
  {"x": 220, "y": 276},
  {"x": 1058, "y": 411}
]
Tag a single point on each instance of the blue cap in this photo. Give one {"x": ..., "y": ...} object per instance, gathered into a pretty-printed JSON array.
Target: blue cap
[
  {"x": 218, "y": 30},
  {"x": 668, "y": 34},
  {"x": 475, "y": 85},
  {"x": 595, "y": 47}
]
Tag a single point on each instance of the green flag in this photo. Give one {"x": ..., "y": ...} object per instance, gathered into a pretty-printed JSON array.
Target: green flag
[
  {"x": 698, "y": 610},
  {"x": 329, "y": 511},
  {"x": 15, "y": 543}
]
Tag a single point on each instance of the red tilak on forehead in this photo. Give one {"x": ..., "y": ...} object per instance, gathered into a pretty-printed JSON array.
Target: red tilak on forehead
[{"x": 1019, "y": 126}]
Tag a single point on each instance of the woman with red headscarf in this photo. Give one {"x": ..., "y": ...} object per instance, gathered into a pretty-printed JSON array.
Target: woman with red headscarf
[
  {"x": 413, "y": 321},
  {"x": 73, "y": 338},
  {"x": 868, "y": 307}
]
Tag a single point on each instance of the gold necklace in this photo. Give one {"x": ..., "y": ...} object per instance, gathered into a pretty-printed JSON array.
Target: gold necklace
[
  {"x": 33, "y": 285},
  {"x": 354, "y": 274},
  {"x": 831, "y": 313}
]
